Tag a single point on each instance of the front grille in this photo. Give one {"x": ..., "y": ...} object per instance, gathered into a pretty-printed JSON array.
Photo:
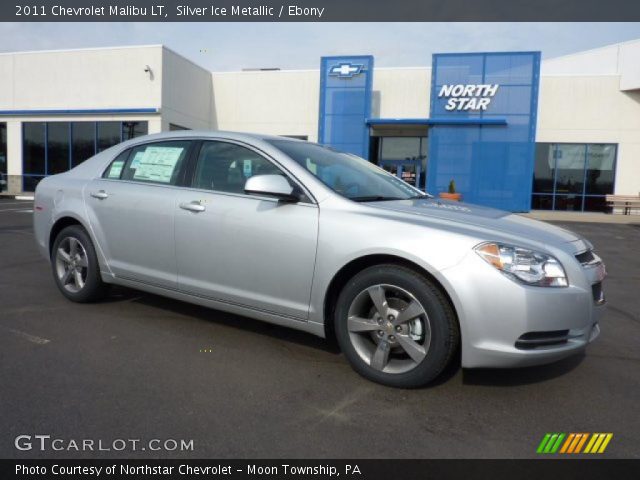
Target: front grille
[
  {"x": 586, "y": 258},
  {"x": 532, "y": 340}
]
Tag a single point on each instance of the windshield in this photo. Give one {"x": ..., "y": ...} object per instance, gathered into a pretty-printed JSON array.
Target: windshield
[{"x": 347, "y": 174}]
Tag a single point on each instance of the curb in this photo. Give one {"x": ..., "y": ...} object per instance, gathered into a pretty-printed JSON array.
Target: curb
[{"x": 17, "y": 197}]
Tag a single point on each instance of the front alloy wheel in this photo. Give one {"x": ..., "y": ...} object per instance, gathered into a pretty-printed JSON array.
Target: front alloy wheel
[
  {"x": 389, "y": 328},
  {"x": 395, "y": 326}
]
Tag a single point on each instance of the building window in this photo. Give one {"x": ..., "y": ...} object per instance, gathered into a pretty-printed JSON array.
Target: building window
[
  {"x": 571, "y": 176},
  {"x": 83, "y": 142},
  {"x": 134, "y": 129},
  {"x": 109, "y": 134},
  {"x": 55, "y": 147},
  {"x": 3, "y": 157},
  {"x": 34, "y": 161},
  {"x": 58, "y": 147}
]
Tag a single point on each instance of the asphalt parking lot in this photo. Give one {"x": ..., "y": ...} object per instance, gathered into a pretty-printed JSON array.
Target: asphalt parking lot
[{"x": 140, "y": 366}]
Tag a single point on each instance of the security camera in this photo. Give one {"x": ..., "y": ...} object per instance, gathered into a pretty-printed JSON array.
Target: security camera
[{"x": 147, "y": 68}]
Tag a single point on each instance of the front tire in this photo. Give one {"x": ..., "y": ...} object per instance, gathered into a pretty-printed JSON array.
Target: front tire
[
  {"x": 395, "y": 326},
  {"x": 75, "y": 266}
]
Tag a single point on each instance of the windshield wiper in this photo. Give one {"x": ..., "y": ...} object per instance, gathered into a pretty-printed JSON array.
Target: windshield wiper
[{"x": 374, "y": 198}]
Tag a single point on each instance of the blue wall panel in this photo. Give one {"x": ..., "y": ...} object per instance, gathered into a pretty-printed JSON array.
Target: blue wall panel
[
  {"x": 491, "y": 164},
  {"x": 345, "y": 103}
]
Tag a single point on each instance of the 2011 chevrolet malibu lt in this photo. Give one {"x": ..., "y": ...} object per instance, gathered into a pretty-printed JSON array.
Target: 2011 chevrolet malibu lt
[{"x": 301, "y": 235}]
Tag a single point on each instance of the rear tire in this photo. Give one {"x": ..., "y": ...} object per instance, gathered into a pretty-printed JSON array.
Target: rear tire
[
  {"x": 75, "y": 266},
  {"x": 395, "y": 326}
]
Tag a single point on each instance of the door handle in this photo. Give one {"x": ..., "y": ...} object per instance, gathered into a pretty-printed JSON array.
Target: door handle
[
  {"x": 193, "y": 206},
  {"x": 100, "y": 194}
]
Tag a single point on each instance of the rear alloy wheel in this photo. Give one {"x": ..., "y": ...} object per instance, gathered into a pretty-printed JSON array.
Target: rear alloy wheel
[
  {"x": 75, "y": 266},
  {"x": 395, "y": 326},
  {"x": 71, "y": 264}
]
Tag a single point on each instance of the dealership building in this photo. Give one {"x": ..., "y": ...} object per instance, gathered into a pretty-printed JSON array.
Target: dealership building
[{"x": 512, "y": 131}]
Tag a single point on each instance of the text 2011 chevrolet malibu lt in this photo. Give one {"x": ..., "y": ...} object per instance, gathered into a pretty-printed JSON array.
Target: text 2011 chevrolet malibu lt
[{"x": 301, "y": 235}]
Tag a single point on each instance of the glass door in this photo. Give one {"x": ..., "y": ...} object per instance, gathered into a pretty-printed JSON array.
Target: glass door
[{"x": 405, "y": 157}]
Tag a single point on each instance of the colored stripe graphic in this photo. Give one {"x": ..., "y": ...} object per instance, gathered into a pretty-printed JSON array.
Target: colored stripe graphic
[
  {"x": 580, "y": 444},
  {"x": 556, "y": 445},
  {"x": 605, "y": 443},
  {"x": 598, "y": 443},
  {"x": 573, "y": 443},
  {"x": 550, "y": 443},
  {"x": 543, "y": 443},
  {"x": 567, "y": 443}
]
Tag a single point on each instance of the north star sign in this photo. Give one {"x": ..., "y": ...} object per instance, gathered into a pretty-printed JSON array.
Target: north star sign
[
  {"x": 468, "y": 97},
  {"x": 346, "y": 70}
]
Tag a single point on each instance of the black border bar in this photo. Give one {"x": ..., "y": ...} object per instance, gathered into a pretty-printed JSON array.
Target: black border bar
[
  {"x": 320, "y": 10},
  {"x": 566, "y": 468}
]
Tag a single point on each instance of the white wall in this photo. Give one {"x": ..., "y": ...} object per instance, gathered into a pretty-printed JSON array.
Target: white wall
[
  {"x": 103, "y": 78},
  {"x": 270, "y": 102},
  {"x": 592, "y": 109},
  {"x": 80, "y": 79},
  {"x": 621, "y": 59},
  {"x": 187, "y": 93},
  {"x": 630, "y": 66},
  {"x": 600, "y": 61},
  {"x": 401, "y": 92},
  {"x": 287, "y": 102}
]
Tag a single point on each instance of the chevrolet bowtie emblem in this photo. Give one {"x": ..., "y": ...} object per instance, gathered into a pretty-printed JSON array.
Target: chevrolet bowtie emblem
[{"x": 346, "y": 70}]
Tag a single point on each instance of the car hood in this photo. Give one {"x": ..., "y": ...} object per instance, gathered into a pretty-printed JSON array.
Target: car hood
[{"x": 489, "y": 220}]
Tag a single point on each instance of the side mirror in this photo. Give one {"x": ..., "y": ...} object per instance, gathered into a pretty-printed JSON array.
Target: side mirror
[{"x": 271, "y": 185}]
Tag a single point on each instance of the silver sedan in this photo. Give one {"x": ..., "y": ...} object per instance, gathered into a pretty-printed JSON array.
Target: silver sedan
[{"x": 301, "y": 235}]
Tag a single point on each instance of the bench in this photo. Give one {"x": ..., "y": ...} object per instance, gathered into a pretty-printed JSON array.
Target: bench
[{"x": 624, "y": 202}]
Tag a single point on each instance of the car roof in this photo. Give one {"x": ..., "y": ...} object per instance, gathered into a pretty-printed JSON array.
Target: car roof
[{"x": 215, "y": 134}]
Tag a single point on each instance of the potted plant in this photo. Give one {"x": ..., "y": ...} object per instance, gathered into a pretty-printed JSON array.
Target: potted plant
[{"x": 451, "y": 194}]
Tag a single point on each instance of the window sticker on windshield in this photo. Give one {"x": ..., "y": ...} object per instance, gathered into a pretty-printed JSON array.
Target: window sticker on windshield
[
  {"x": 116, "y": 169},
  {"x": 157, "y": 164}
]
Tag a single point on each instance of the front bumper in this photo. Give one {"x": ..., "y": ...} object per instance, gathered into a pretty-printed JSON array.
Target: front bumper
[{"x": 507, "y": 324}]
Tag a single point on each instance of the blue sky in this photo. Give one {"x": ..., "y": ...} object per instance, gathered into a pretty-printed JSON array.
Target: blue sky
[{"x": 232, "y": 46}]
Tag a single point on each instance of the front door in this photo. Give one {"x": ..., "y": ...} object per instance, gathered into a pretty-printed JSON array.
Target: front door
[{"x": 241, "y": 249}]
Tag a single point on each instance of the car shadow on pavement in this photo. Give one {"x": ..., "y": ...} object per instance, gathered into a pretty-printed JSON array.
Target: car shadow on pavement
[
  {"x": 503, "y": 377},
  {"x": 224, "y": 318},
  {"x": 512, "y": 377}
]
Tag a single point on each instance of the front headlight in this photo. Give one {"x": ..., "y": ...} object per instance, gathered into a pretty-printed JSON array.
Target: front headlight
[{"x": 527, "y": 266}]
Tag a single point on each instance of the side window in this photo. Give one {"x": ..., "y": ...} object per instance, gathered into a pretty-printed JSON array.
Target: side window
[
  {"x": 114, "y": 171},
  {"x": 225, "y": 167},
  {"x": 158, "y": 162}
]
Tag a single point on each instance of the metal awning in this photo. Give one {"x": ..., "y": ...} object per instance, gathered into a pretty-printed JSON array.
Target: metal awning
[{"x": 435, "y": 121}]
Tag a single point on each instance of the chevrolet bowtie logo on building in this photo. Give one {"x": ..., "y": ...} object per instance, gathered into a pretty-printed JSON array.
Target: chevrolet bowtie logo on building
[
  {"x": 346, "y": 70},
  {"x": 574, "y": 443}
]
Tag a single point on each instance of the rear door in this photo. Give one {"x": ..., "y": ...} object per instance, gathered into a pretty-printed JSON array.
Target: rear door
[
  {"x": 242, "y": 249},
  {"x": 131, "y": 210}
]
